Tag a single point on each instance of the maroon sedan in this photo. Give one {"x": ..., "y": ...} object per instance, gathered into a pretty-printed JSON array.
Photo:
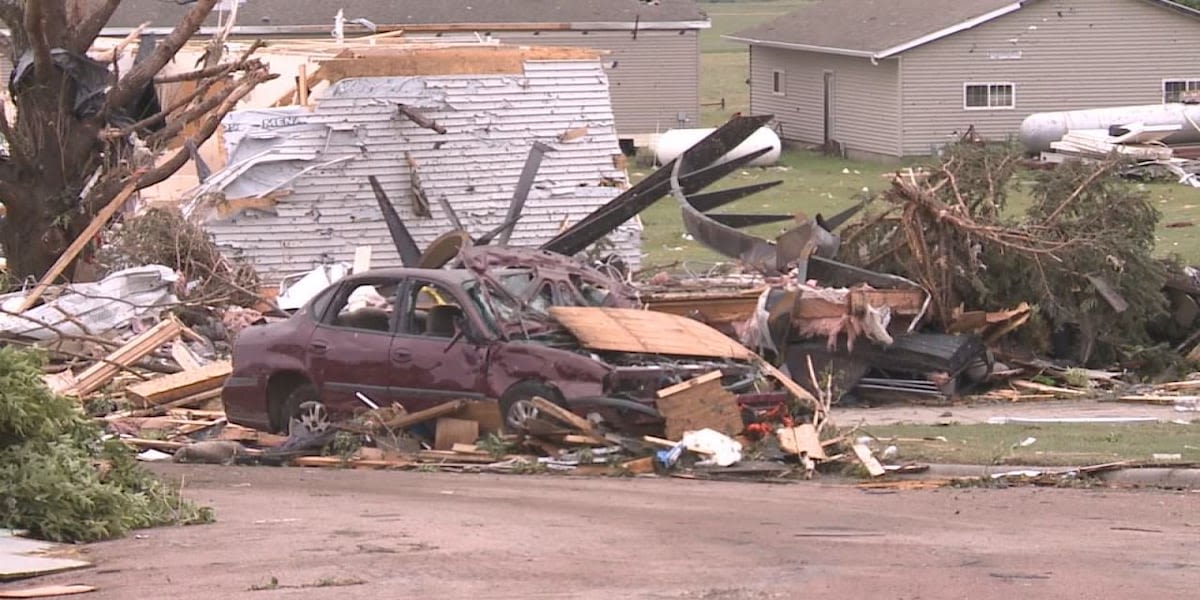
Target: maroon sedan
[{"x": 420, "y": 337}]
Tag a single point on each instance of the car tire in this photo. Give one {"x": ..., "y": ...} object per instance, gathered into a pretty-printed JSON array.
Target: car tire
[
  {"x": 516, "y": 404},
  {"x": 305, "y": 392}
]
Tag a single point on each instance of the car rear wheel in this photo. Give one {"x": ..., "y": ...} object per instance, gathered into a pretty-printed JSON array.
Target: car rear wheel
[{"x": 516, "y": 405}]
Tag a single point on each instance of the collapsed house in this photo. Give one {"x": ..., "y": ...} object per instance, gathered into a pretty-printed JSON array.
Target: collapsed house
[{"x": 446, "y": 129}]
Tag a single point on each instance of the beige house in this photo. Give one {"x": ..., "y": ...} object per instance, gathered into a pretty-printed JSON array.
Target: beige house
[
  {"x": 893, "y": 78},
  {"x": 653, "y": 47}
]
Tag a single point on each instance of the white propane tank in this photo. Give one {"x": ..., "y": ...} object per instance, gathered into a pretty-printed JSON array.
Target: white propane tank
[
  {"x": 1039, "y": 130},
  {"x": 674, "y": 142}
]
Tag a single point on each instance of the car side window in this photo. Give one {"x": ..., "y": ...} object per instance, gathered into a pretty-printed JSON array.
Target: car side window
[
  {"x": 433, "y": 311},
  {"x": 368, "y": 306}
]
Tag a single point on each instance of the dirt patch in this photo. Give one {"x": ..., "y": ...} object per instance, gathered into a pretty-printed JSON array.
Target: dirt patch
[{"x": 454, "y": 536}]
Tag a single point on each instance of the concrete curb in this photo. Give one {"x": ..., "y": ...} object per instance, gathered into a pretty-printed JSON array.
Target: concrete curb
[{"x": 1163, "y": 477}]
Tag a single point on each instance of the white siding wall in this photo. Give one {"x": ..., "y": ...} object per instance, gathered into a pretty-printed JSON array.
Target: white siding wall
[
  {"x": 491, "y": 120},
  {"x": 655, "y": 80},
  {"x": 866, "y": 115},
  {"x": 1074, "y": 54}
]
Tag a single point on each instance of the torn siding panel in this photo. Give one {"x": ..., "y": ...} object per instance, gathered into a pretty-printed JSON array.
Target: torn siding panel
[{"x": 323, "y": 157}]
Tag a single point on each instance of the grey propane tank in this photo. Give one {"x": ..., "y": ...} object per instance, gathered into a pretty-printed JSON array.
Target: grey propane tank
[{"x": 1039, "y": 130}]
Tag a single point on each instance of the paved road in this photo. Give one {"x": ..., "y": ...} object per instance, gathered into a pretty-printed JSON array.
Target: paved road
[{"x": 424, "y": 535}]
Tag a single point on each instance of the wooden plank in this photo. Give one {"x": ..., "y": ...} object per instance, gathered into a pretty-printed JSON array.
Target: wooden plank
[
  {"x": 486, "y": 413},
  {"x": 68, "y": 255},
  {"x": 585, "y": 440},
  {"x": 334, "y": 461},
  {"x": 180, "y": 385},
  {"x": 1039, "y": 387},
  {"x": 693, "y": 382},
  {"x": 48, "y": 591},
  {"x": 155, "y": 444},
  {"x": 561, "y": 414},
  {"x": 646, "y": 331},
  {"x": 421, "y": 416},
  {"x": 802, "y": 438},
  {"x": 100, "y": 373},
  {"x": 454, "y": 457},
  {"x": 183, "y": 356},
  {"x": 864, "y": 456},
  {"x": 451, "y": 431},
  {"x": 704, "y": 406}
]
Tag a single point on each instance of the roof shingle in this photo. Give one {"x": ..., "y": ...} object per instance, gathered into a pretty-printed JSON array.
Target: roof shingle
[
  {"x": 258, "y": 13},
  {"x": 868, "y": 26}
]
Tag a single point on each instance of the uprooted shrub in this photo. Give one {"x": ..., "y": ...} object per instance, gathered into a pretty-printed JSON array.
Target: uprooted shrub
[
  {"x": 161, "y": 236},
  {"x": 1081, "y": 251},
  {"x": 58, "y": 480}
]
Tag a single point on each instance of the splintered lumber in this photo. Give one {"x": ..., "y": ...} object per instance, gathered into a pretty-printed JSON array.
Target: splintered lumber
[
  {"x": 68, "y": 255},
  {"x": 421, "y": 416},
  {"x": 1159, "y": 400},
  {"x": 100, "y": 373},
  {"x": 180, "y": 385},
  {"x": 1049, "y": 389},
  {"x": 561, "y": 414},
  {"x": 647, "y": 332},
  {"x": 693, "y": 382},
  {"x": 864, "y": 456},
  {"x": 48, "y": 591},
  {"x": 802, "y": 438},
  {"x": 452, "y": 431},
  {"x": 464, "y": 448},
  {"x": 454, "y": 457},
  {"x": 792, "y": 387},
  {"x": 184, "y": 356},
  {"x": 707, "y": 405}
]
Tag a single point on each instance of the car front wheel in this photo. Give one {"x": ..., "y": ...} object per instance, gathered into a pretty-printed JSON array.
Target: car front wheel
[{"x": 516, "y": 405}]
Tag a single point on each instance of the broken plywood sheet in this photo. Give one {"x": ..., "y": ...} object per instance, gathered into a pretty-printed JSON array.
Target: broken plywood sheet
[
  {"x": 650, "y": 332},
  {"x": 703, "y": 406},
  {"x": 452, "y": 431},
  {"x": 802, "y": 438},
  {"x": 22, "y": 557}
]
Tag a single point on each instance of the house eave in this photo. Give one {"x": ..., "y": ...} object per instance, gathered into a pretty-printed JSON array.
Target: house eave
[
  {"x": 804, "y": 47},
  {"x": 949, "y": 31}
]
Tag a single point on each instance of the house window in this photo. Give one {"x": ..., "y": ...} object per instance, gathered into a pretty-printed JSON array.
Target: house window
[
  {"x": 988, "y": 96},
  {"x": 1173, "y": 89},
  {"x": 778, "y": 83}
]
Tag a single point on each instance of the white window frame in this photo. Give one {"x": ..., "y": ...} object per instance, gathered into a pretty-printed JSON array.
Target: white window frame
[
  {"x": 781, "y": 76},
  {"x": 1189, "y": 84},
  {"x": 989, "y": 85}
]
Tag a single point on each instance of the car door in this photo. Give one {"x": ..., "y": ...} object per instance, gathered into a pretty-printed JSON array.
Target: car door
[
  {"x": 348, "y": 352},
  {"x": 430, "y": 362}
]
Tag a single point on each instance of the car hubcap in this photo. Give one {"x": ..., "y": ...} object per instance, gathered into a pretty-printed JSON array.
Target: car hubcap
[
  {"x": 520, "y": 412},
  {"x": 313, "y": 417}
]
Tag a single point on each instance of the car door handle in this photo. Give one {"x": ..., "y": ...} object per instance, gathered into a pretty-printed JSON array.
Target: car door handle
[
  {"x": 319, "y": 347},
  {"x": 401, "y": 355}
]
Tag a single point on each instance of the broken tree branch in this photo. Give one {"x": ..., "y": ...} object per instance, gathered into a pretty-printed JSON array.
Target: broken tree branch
[
  {"x": 81, "y": 36},
  {"x": 143, "y": 73}
]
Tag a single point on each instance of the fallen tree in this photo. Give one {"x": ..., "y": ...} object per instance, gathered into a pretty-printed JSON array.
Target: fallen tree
[
  {"x": 81, "y": 135},
  {"x": 1080, "y": 250},
  {"x": 58, "y": 480}
]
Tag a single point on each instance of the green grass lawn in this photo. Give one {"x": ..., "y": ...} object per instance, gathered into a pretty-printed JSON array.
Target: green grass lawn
[
  {"x": 813, "y": 183},
  {"x": 731, "y": 17},
  {"x": 1056, "y": 444}
]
